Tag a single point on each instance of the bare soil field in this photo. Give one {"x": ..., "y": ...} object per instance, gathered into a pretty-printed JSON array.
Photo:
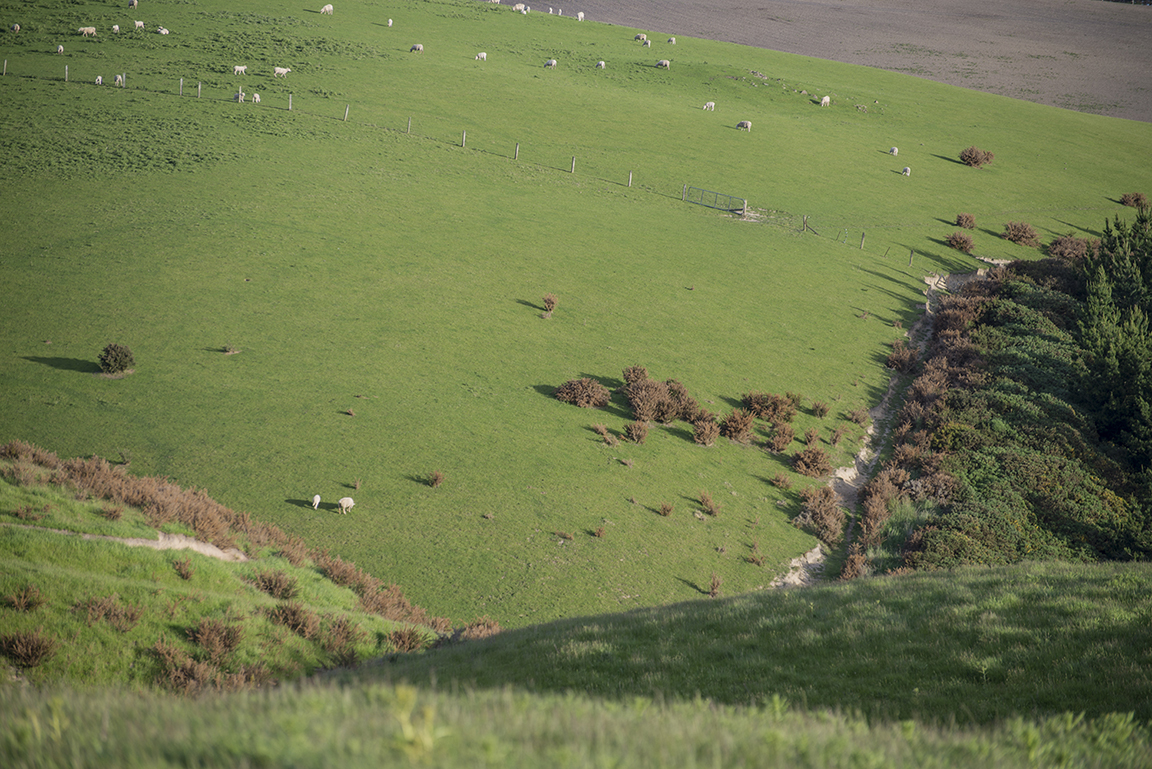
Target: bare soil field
[{"x": 1085, "y": 55}]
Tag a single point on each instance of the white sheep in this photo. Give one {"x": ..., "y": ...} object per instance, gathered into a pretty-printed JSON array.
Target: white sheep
[
  {"x": 327, "y": 9},
  {"x": 132, "y": 3},
  {"x": 600, "y": 65},
  {"x": 239, "y": 97},
  {"x": 710, "y": 106},
  {"x": 59, "y": 49},
  {"x": 418, "y": 48},
  {"x": 580, "y": 16},
  {"x": 664, "y": 63},
  {"x": 825, "y": 101},
  {"x": 99, "y": 80},
  {"x": 550, "y": 64},
  {"x": 316, "y": 502},
  {"x": 518, "y": 7},
  {"x": 280, "y": 71},
  {"x": 116, "y": 29},
  {"x": 255, "y": 98},
  {"x": 162, "y": 31},
  {"x": 640, "y": 36},
  {"x": 745, "y": 125},
  {"x": 647, "y": 43},
  {"x": 87, "y": 31},
  {"x": 346, "y": 504},
  {"x": 894, "y": 151},
  {"x": 139, "y": 25},
  {"x": 482, "y": 56},
  {"x": 389, "y": 22},
  {"x": 671, "y": 41},
  {"x": 15, "y": 27},
  {"x": 240, "y": 69},
  {"x": 120, "y": 80},
  {"x": 906, "y": 172}
]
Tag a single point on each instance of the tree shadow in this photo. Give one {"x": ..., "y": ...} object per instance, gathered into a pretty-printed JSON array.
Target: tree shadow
[
  {"x": 692, "y": 585},
  {"x": 950, "y": 160},
  {"x": 530, "y": 304},
  {"x": 67, "y": 364}
]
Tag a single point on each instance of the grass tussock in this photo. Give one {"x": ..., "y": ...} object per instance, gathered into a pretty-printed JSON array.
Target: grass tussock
[
  {"x": 27, "y": 598},
  {"x": 184, "y": 568}
]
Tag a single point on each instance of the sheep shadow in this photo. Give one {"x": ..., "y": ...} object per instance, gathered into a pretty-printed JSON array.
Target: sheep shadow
[
  {"x": 307, "y": 503},
  {"x": 67, "y": 364}
]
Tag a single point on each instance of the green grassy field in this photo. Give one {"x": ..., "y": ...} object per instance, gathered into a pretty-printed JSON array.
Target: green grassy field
[{"x": 358, "y": 267}]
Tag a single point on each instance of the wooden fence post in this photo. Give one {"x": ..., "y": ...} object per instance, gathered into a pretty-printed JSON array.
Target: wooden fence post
[
  {"x": 198, "y": 90},
  {"x": 409, "y": 125},
  {"x": 464, "y": 138},
  {"x": 861, "y": 241},
  {"x": 805, "y": 225},
  {"x": 886, "y": 251},
  {"x": 516, "y": 156},
  {"x": 910, "y": 252},
  {"x": 629, "y": 178},
  {"x": 181, "y": 86},
  {"x": 684, "y": 193},
  {"x": 346, "y": 108},
  {"x": 573, "y": 165},
  {"x": 5, "y": 66},
  {"x": 65, "y": 73},
  {"x": 289, "y": 102}
]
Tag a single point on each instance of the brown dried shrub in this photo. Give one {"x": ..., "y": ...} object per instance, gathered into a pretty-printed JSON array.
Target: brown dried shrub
[
  {"x": 902, "y": 358},
  {"x": 1071, "y": 247},
  {"x": 123, "y": 617},
  {"x": 407, "y": 639},
  {"x": 27, "y": 648},
  {"x": 967, "y": 221},
  {"x": 812, "y": 462},
  {"x": 820, "y": 408},
  {"x": 563, "y": 534},
  {"x": 711, "y": 506},
  {"x": 782, "y": 437},
  {"x": 483, "y": 627},
  {"x": 111, "y": 512},
  {"x": 737, "y": 426},
  {"x": 585, "y": 393},
  {"x": 339, "y": 639},
  {"x": 217, "y": 639},
  {"x": 838, "y": 435},
  {"x": 30, "y": 513},
  {"x": 820, "y": 514},
  {"x": 705, "y": 432},
  {"x": 781, "y": 481},
  {"x": 976, "y": 157},
  {"x": 666, "y": 509},
  {"x": 854, "y": 564},
  {"x": 435, "y": 479},
  {"x": 276, "y": 584},
  {"x": 296, "y": 617},
  {"x": 601, "y": 430},
  {"x": 183, "y": 567},
  {"x": 859, "y": 416},
  {"x": 636, "y": 431},
  {"x": 650, "y": 400},
  {"x": 771, "y": 407},
  {"x": 1022, "y": 234},
  {"x": 634, "y": 374},
  {"x": 714, "y": 586},
  {"x": 182, "y": 674},
  {"x": 961, "y": 241},
  {"x": 1134, "y": 199},
  {"x": 811, "y": 436},
  {"x": 27, "y": 598},
  {"x": 599, "y": 533},
  {"x": 549, "y": 303}
]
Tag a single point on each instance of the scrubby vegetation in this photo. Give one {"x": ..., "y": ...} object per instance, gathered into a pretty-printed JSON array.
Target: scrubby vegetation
[
  {"x": 967, "y": 221},
  {"x": 116, "y": 359},
  {"x": 585, "y": 393},
  {"x": 976, "y": 157},
  {"x": 1021, "y": 233},
  {"x": 960, "y": 241}
]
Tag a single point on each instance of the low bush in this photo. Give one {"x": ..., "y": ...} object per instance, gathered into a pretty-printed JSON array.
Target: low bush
[
  {"x": 961, "y": 241},
  {"x": 666, "y": 509},
  {"x": 116, "y": 359},
  {"x": 634, "y": 374},
  {"x": 339, "y": 640},
  {"x": 296, "y": 617},
  {"x": 28, "y": 648},
  {"x": 483, "y": 627},
  {"x": 705, "y": 432},
  {"x": 184, "y": 568},
  {"x": 1134, "y": 199},
  {"x": 976, "y": 157},
  {"x": 435, "y": 479},
  {"x": 1071, "y": 247},
  {"x": 711, "y": 506},
  {"x": 737, "y": 426},
  {"x": 108, "y": 608},
  {"x": 902, "y": 358},
  {"x": 406, "y": 640},
  {"x": 1022, "y": 234},
  {"x": 782, "y": 481},
  {"x": 838, "y": 435},
  {"x": 821, "y": 515},
  {"x": 820, "y": 408},
  {"x": 967, "y": 221},
  {"x": 549, "y": 303},
  {"x": 854, "y": 564},
  {"x": 637, "y": 432},
  {"x": 770, "y": 407},
  {"x": 811, "y": 436},
  {"x": 651, "y": 401},
  {"x": 585, "y": 393},
  {"x": 812, "y": 462},
  {"x": 111, "y": 512},
  {"x": 276, "y": 584},
  {"x": 782, "y": 437},
  {"x": 859, "y": 416},
  {"x": 217, "y": 639},
  {"x": 27, "y": 598},
  {"x": 714, "y": 585}
]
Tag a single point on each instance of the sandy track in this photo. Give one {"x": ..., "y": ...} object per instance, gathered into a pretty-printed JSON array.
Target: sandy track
[{"x": 1087, "y": 55}]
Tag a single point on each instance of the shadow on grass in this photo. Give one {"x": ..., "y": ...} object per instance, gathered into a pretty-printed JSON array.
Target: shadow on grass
[
  {"x": 950, "y": 160},
  {"x": 530, "y": 304},
  {"x": 67, "y": 364},
  {"x": 692, "y": 585}
]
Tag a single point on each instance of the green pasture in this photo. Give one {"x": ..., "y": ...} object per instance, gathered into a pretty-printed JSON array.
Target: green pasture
[{"x": 357, "y": 267}]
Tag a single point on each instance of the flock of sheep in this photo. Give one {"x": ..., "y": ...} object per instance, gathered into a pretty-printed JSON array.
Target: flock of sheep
[{"x": 343, "y": 505}]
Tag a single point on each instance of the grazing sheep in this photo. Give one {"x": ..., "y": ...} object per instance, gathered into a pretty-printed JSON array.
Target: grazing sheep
[
  {"x": 647, "y": 43},
  {"x": 664, "y": 63},
  {"x": 894, "y": 151},
  {"x": 239, "y": 97},
  {"x": 640, "y": 36},
  {"x": 59, "y": 49},
  {"x": 745, "y": 125},
  {"x": 99, "y": 80},
  {"x": 327, "y": 9},
  {"x": 132, "y": 3},
  {"x": 906, "y": 172},
  {"x": 139, "y": 25},
  {"x": 116, "y": 29},
  {"x": 120, "y": 80},
  {"x": 671, "y": 41},
  {"x": 255, "y": 98},
  {"x": 316, "y": 502},
  {"x": 240, "y": 69},
  {"x": 87, "y": 31},
  {"x": 600, "y": 65},
  {"x": 710, "y": 106},
  {"x": 482, "y": 56},
  {"x": 418, "y": 48},
  {"x": 15, "y": 27},
  {"x": 518, "y": 7},
  {"x": 825, "y": 101},
  {"x": 346, "y": 504},
  {"x": 280, "y": 71},
  {"x": 550, "y": 64},
  {"x": 580, "y": 16},
  {"x": 162, "y": 31},
  {"x": 389, "y": 22}
]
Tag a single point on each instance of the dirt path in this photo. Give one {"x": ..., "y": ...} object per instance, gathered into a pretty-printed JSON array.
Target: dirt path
[
  {"x": 163, "y": 542},
  {"x": 1085, "y": 55}
]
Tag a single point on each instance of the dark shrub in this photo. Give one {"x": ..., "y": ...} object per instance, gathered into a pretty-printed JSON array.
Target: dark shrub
[
  {"x": 408, "y": 639},
  {"x": 599, "y": 533},
  {"x": 811, "y": 436},
  {"x": 585, "y": 393},
  {"x": 859, "y": 416},
  {"x": 961, "y": 241},
  {"x": 714, "y": 585},
  {"x": 549, "y": 303},
  {"x": 111, "y": 512},
  {"x": 821, "y": 515},
  {"x": 216, "y": 638},
  {"x": 650, "y": 400},
  {"x": 1069, "y": 247},
  {"x": 854, "y": 564},
  {"x": 782, "y": 437},
  {"x": 705, "y": 433},
  {"x": 976, "y": 157},
  {"x": 634, "y": 374},
  {"x": 781, "y": 481},
  {"x": 340, "y": 638},
  {"x": 1022, "y": 234},
  {"x": 820, "y": 408},
  {"x": 737, "y": 426},
  {"x": 184, "y": 568},
  {"x": 296, "y": 617},
  {"x": 710, "y": 506},
  {"x": 276, "y": 584},
  {"x": 771, "y": 408},
  {"x": 902, "y": 358},
  {"x": 116, "y": 359},
  {"x": 109, "y": 609},
  {"x": 967, "y": 221},
  {"x": 27, "y": 598},
  {"x": 435, "y": 479},
  {"x": 666, "y": 509},
  {"x": 812, "y": 462},
  {"x": 636, "y": 431},
  {"x": 1134, "y": 199},
  {"x": 838, "y": 435},
  {"x": 27, "y": 649}
]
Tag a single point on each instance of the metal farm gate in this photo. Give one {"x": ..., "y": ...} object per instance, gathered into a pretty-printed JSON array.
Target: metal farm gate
[{"x": 712, "y": 199}]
